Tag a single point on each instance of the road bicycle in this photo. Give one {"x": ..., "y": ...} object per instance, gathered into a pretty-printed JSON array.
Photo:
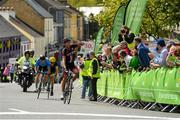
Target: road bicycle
[
  {"x": 68, "y": 87},
  {"x": 44, "y": 84}
]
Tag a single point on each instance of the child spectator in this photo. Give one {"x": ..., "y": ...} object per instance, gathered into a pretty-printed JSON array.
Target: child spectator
[
  {"x": 134, "y": 63},
  {"x": 127, "y": 58},
  {"x": 173, "y": 58}
]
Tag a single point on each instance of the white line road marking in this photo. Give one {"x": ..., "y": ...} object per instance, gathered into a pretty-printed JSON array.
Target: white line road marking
[
  {"x": 21, "y": 112},
  {"x": 18, "y": 110}
]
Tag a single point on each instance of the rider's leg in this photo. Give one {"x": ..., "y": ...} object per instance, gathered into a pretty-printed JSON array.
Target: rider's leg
[
  {"x": 46, "y": 77},
  {"x": 52, "y": 83},
  {"x": 36, "y": 81},
  {"x": 76, "y": 72},
  {"x": 63, "y": 84}
]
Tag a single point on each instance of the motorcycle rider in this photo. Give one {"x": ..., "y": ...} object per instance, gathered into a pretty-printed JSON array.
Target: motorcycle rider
[
  {"x": 27, "y": 61},
  {"x": 42, "y": 65}
]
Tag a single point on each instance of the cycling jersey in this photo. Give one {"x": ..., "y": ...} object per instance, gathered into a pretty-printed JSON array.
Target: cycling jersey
[
  {"x": 43, "y": 65},
  {"x": 53, "y": 68},
  {"x": 70, "y": 56}
]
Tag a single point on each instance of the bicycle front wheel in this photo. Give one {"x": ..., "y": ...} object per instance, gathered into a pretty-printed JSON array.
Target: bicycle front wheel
[
  {"x": 66, "y": 91},
  {"x": 70, "y": 91}
]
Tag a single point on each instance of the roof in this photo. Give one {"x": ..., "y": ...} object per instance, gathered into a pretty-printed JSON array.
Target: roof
[
  {"x": 57, "y": 5},
  {"x": 23, "y": 26},
  {"x": 7, "y": 30},
  {"x": 39, "y": 9}
]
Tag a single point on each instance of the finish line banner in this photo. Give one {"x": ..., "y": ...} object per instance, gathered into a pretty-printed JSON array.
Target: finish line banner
[{"x": 161, "y": 85}]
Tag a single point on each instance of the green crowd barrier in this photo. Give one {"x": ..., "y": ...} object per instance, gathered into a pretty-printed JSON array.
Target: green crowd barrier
[{"x": 160, "y": 85}]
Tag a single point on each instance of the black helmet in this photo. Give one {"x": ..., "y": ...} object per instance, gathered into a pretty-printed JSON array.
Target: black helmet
[
  {"x": 42, "y": 57},
  {"x": 26, "y": 52}
]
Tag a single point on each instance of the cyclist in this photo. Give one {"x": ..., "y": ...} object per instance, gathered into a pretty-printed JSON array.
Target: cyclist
[
  {"x": 42, "y": 65},
  {"x": 69, "y": 54},
  {"x": 53, "y": 72}
]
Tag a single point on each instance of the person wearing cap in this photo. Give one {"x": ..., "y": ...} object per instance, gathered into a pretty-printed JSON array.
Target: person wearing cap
[
  {"x": 143, "y": 52},
  {"x": 163, "y": 52}
]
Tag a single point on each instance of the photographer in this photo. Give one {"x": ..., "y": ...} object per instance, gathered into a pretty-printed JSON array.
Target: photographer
[{"x": 125, "y": 35}]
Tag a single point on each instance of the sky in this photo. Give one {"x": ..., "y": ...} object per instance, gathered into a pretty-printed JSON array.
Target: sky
[{"x": 88, "y": 10}]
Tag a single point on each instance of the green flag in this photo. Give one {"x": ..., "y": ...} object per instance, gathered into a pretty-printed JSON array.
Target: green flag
[
  {"x": 98, "y": 40},
  {"x": 117, "y": 24},
  {"x": 134, "y": 14}
]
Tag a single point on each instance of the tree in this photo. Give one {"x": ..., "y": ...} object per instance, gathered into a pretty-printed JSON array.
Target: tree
[
  {"x": 158, "y": 16},
  {"x": 106, "y": 17},
  {"x": 79, "y": 3}
]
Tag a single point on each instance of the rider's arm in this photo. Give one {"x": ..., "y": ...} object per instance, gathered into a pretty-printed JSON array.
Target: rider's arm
[
  {"x": 57, "y": 70},
  {"x": 63, "y": 59},
  {"x": 49, "y": 66},
  {"x": 20, "y": 61},
  {"x": 37, "y": 66}
]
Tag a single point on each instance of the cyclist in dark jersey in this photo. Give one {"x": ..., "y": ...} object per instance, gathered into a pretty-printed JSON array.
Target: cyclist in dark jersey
[
  {"x": 53, "y": 72},
  {"x": 69, "y": 54}
]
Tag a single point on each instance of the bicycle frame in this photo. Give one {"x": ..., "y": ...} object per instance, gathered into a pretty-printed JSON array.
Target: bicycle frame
[
  {"x": 42, "y": 82},
  {"x": 68, "y": 87}
]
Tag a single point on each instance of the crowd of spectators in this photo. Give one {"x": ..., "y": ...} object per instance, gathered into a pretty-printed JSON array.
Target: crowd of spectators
[{"x": 141, "y": 56}]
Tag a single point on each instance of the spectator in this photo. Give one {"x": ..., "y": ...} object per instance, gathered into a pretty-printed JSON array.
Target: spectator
[
  {"x": 6, "y": 72},
  {"x": 134, "y": 63},
  {"x": 143, "y": 51},
  {"x": 125, "y": 35},
  {"x": 12, "y": 72},
  {"x": 107, "y": 58},
  {"x": 124, "y": 46},
  {"x": 173, "y": 58},
  {"x": 86, "y": 79},
  {"x": 115, "y": 62},
  {"x": 127, "y": 58},
  {"x": 161, "y": 59},
  {"x": 94, "y": 73}
]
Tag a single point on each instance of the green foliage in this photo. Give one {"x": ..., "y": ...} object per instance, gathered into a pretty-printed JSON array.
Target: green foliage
[
  {"x": 158, "y": 16},
  {"x": 106, "y": 17},
  {"x": 79, "y": 3}
]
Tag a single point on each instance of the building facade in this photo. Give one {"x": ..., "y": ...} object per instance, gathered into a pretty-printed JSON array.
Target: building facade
[
  {"x": 10, "y": 42},
  {"x": 36, "y": 18},
  {"x": 68, "y": 22}
]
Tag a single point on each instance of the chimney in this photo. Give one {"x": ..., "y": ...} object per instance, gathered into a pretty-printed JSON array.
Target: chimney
[{"x": 6, "y": 12}]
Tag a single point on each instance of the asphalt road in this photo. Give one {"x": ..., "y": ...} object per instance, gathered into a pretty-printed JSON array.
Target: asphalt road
[{"x": 15, "y": 104}]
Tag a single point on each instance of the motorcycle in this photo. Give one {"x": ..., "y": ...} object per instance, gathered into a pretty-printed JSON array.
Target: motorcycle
[{"x": 25, "y": 77}]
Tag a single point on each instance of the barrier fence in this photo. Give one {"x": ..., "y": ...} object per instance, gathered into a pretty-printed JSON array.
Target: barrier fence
[{"x": 149, "y": 89}]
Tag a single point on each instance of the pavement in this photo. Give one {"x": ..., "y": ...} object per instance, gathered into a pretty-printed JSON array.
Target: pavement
[{"x": 15, "y": 104}]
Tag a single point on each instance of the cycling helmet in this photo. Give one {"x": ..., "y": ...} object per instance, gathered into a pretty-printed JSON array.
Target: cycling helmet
[
  {"x": 26, "y": 52},
  {"x": 42, "y": 57},
  {"x": 52, "y": 59}
]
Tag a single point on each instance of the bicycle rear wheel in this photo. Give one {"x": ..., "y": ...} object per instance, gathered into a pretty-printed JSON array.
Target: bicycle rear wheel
[{"x": 40, "y": 87}]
